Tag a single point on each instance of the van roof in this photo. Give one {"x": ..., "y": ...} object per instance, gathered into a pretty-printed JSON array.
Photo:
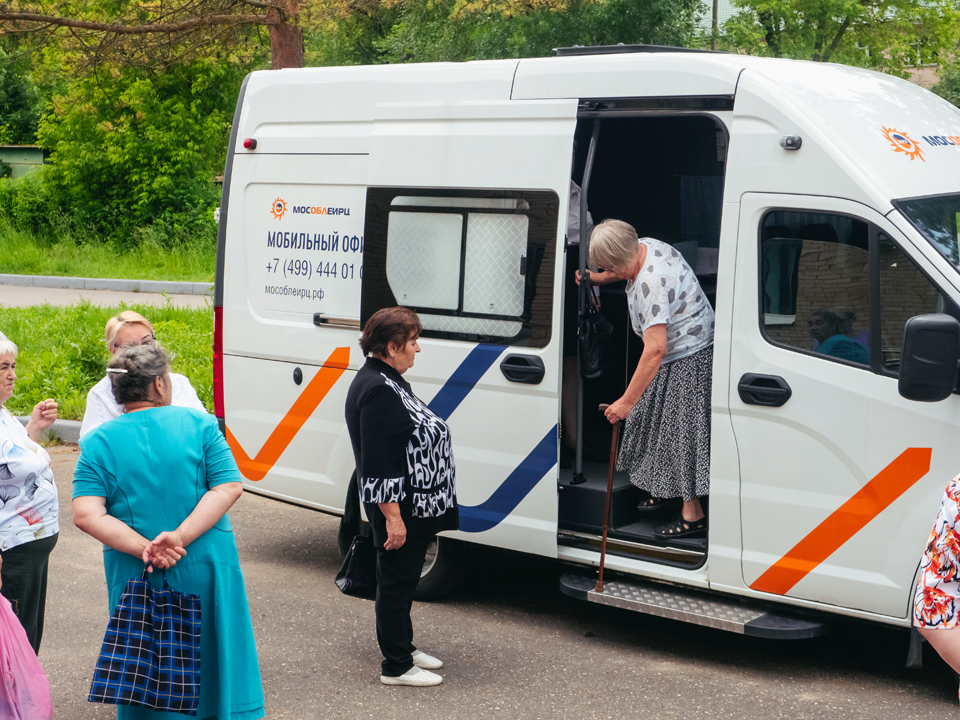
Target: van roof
[{"x": 893, "y": 138}]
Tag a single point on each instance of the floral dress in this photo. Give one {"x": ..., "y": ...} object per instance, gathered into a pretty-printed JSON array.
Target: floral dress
[{"x": 938, "y": 590}]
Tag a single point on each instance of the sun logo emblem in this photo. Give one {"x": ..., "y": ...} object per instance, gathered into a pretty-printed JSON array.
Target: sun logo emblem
[
  {"x": 902, "y": 143},
  {"x": 278, "y": 209}
]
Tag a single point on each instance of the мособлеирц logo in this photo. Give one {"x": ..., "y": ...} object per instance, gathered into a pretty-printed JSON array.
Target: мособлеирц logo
[{"x": 902, "y": 143}]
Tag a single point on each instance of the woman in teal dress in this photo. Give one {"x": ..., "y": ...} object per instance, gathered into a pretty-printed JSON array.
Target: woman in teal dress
[{"x": 154, "y": 485}]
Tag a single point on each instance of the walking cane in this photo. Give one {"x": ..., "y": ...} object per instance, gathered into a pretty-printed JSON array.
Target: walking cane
[{"x": 606, "y": 504}]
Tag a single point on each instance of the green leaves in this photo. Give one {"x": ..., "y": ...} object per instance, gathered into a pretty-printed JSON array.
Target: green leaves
[
  {"x": 131, "y": 150},
  {"x": 887, "y": 35},
  {"x": 457, "y": 30}
]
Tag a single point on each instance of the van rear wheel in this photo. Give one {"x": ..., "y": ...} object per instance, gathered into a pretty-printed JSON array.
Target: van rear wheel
[{"x": 445, "y": 568}]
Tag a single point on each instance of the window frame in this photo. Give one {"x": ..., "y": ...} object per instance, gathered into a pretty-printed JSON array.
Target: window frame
[
  {"x": 542, "y": 213},
  {"x": 876, "y": 365}
]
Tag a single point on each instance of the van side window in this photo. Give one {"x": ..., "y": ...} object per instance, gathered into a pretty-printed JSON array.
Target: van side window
[
  {"x": 476, "y": 265},
  {"x": 815, "y": 284},
  {"x": 904, "y": 292}
]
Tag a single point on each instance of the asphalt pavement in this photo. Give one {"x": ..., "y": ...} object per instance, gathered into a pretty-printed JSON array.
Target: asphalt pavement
[{"x": 513, "y": 645}]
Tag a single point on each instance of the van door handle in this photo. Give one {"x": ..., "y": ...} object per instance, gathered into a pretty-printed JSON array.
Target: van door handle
[
  {"x": 766, "y": 390},
  {"x": 526, "y": 369}
]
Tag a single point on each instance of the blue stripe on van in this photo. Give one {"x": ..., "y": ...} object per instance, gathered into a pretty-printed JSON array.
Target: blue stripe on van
[
  {"x": 464, "y": 379},
  {"x": 514, "y": 489}
]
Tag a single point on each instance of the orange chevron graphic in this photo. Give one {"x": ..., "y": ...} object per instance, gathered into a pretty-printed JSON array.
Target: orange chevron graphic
[
  {"x": 845, "y": 522},
  {"x": 311, "y": 397}
]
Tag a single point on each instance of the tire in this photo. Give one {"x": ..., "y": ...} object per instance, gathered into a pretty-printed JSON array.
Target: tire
[{"x": 445, "y": 568}]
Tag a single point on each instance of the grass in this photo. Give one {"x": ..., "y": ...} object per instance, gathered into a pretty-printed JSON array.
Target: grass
[
  {"x": 22, "y": 253},
  {"x": 62, "y": 353}
]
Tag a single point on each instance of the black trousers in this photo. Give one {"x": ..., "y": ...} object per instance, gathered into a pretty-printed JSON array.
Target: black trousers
[
  {"x": 398, "y": 572},
  {"x": 24, "y": 576}
]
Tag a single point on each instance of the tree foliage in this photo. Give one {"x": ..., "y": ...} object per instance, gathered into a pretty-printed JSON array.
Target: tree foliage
[
  {"x": 948, "y": 87},
  {"x": 889, "y": 35},
  {"x": 19, "y": 101},
  {"x": 132, "y": 150},
  {"x": 456, "y": 30},
  {"x": 150, "y": 34}
]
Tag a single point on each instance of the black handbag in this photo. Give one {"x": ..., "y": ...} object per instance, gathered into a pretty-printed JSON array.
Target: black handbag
[
  {"x": 358, "y": 574},
  {"x": 595, "y": 343}
]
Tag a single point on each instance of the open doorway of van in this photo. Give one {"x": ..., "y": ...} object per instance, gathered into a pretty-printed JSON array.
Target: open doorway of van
[{"x": 663, "y": 174}]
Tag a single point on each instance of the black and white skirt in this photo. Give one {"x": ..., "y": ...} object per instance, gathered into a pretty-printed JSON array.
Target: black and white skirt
[{"x": 666, "y": 438}]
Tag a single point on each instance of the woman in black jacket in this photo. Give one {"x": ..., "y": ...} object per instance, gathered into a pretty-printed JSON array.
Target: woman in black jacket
[{"x": 405, "y": 473}]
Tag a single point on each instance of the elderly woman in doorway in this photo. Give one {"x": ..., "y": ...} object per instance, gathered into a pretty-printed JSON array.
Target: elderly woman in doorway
[
  {"x": 666, "y": 441},
  {"x": 129, "y": 328},
  {"x": 166, "y": 473},
  {"x": 405, "y": 472},
  {"x": 29, "y": 504}
]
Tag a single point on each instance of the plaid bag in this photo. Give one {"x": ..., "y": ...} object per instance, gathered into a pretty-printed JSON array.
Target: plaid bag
[{"x": 151, "y": 650}]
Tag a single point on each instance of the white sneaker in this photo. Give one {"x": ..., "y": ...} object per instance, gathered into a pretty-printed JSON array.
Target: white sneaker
[
  {"x": 427, "y": 662},
  {"x": 416, "y": 677}
]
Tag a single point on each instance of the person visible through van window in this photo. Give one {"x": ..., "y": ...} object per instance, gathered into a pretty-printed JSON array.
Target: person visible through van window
[
  {"x": 666, "y": 441},
  {"x": 406, "y": 476},
  {"x": 826, "y": 329},
  {"x": 129, "y": 328}
]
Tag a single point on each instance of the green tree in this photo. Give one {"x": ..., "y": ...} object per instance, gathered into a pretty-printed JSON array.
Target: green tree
[
  {"x": 132, "y": 150},
  {"x": 19, "y": 101},
  {"x": 456, "y": 30},
  {"x": 158, "y": 33},
  {"x": 888, "y": 35},
  {"x": 948, "y": 87}
]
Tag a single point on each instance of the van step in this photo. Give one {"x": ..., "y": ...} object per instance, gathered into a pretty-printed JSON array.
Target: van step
[{"x": 691, "y": 606}]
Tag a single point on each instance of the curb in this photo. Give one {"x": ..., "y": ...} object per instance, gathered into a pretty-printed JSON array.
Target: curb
[
  {"x": 77, "y": 283},
  {"x": 67, "y": 430}
]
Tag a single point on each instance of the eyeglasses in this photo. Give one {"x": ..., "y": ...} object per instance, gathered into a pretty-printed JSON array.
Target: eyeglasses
[{"x": 145, "y": 340}]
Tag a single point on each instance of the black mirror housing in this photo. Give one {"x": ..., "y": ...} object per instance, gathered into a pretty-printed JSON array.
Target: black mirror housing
[{"x": 928, "y": 357}]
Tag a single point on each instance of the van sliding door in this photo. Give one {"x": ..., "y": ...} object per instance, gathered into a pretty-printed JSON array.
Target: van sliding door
[{"x": 463, "y": 225}]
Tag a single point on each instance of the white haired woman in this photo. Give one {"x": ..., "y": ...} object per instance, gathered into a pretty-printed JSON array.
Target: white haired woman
[
  {"x": 29, "y": 505},
  {"x": 666, "y": 440},
  {"x": 130, "y": 328}
]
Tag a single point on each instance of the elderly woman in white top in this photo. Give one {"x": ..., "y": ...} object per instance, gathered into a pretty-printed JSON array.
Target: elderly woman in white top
[
  {"x": 666, "y": 440},
  {"x": 130, "y": 328},
  {"x": 29, "y": 506}
]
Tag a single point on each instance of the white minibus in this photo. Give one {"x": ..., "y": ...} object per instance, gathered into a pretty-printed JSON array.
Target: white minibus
[{"x": 791, "y": 187}]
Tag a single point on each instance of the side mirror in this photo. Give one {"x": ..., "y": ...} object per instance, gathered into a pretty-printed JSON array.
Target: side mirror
[{"x": 928, "y": 357}]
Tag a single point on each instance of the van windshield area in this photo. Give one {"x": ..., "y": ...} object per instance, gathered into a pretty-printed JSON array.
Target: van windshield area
[{"x": 938, "y": 220}]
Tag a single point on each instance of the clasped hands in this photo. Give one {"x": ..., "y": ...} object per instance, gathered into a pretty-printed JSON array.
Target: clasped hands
[{"x": 164, "y": 552}]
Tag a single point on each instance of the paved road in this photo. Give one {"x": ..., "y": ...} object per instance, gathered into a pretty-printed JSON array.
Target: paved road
[
  {"x": 19, "y": 296},
  {"x": 514, "y": 646}
]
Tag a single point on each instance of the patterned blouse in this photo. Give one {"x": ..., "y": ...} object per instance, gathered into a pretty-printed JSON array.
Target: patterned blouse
[
  {"x": 29, "y": 505},
  {"x": 666, "y": 292},
  {"x": 403, "y": 452},
  {"x": 938, "y": 591}
]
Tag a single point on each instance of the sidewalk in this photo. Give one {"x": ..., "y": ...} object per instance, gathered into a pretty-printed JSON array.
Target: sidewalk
[{"x": 27, "y": 295}]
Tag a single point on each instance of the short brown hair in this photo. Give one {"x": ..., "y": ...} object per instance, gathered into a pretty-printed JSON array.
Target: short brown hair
[{"x": 398, "y": 325}]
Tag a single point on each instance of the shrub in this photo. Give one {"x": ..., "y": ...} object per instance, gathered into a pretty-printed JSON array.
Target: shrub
[{"x": 140, "y": 161}]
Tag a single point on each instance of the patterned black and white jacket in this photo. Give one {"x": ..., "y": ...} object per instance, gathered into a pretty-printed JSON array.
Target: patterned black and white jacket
[{"x": 403, "y": 452}]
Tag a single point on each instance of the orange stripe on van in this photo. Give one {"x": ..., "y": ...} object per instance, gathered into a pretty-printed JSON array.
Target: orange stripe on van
[
  {"x": 845, "y": 522},
  {"x": 311, "y": 397}
]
